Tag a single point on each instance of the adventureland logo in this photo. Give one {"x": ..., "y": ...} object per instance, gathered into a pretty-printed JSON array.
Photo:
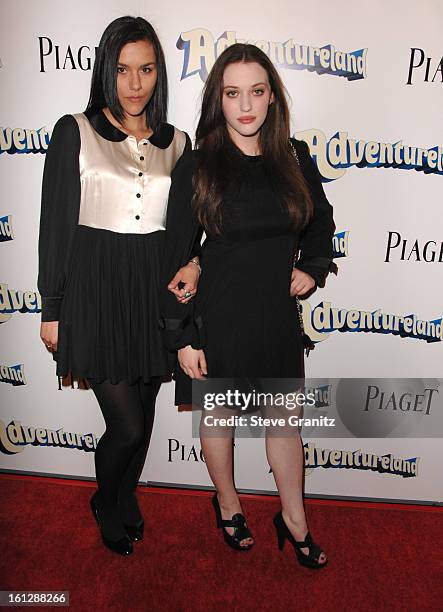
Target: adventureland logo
[
  {"x": 13, "y": 300},
  {"x": 24, "y": 140},
  {"x": 6, "y": 232},
  {"x": 316, "y": 457},
  {"x": 340, "y": 152},
  {"x": 14, "y": 437},
  {"x": 340, "y": 244},
  {"x": 201, "y": 50},
  {"x": 13, "y": 375},
  {"x": 323, "y": 319},
  {"x": 322, "y": 395}
]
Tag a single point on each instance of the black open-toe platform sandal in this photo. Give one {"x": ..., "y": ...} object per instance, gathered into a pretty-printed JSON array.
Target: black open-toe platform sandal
[
  {"x": 237, "y": 522},
  {"x": 310, "y": 560}
]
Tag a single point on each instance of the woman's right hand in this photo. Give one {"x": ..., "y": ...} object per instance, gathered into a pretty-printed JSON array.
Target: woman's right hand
[
  {"x": 49, "y": 335},
  {"x": 187, "y": 275},
  {"x": 193, "y": 362}
]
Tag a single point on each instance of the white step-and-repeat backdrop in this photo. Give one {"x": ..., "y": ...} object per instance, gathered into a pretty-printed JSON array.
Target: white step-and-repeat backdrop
[{"x": 365, "y": 80}]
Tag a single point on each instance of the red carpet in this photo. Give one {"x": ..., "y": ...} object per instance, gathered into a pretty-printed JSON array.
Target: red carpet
[{"x": 380, "y": 557}]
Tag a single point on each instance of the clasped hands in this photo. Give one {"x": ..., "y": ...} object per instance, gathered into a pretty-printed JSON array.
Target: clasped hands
[
  {"x": 188, "y": 275},
  {"x": 193, "y": 361}
]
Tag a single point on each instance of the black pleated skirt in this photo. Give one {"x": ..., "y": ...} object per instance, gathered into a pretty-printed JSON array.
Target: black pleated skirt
[{"x": 109, "y": 327}]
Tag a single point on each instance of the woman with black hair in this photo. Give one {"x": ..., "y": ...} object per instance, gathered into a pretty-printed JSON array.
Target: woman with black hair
[
  {"x": 105, "y": 190},
  {"x": 258, "y": 196}
]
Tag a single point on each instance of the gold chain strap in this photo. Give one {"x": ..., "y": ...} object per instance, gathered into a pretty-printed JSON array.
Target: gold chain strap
[
  {"x": 297, "y": 299},
  {"x": 294, "y": 151}
]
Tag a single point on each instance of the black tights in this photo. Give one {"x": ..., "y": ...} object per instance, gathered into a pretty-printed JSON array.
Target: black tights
[{"x": 128, "y": 411}]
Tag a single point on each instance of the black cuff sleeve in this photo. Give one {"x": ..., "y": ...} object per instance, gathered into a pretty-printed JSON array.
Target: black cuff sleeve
[
  {"x": 51, "y": 308},
  {"x": 318, "y": 268},
  {"x": 179, "y": 333}
]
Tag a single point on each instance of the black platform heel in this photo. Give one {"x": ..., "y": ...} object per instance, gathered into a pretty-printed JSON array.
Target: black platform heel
[
  {"x": 122, "y": 546},
  {"x": 310, "y": 560},
  {"x": 241, "y": 532}
]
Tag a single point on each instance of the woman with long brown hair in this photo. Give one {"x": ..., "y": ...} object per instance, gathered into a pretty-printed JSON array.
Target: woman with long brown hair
[{"x": 258, "y": 196}]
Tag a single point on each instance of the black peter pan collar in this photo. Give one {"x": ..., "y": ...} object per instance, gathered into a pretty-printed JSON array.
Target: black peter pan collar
[{"x": 161, "y": 138}]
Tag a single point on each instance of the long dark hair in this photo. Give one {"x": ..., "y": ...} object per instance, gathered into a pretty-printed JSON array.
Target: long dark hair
[
  {"x": 216, "y": 147},
  {"x": 104, "y": 76}
]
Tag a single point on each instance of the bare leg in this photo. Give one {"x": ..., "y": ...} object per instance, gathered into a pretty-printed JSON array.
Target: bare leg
[
  {"x": 285, "y": 456},
  {"x": 217, "y": 446}
]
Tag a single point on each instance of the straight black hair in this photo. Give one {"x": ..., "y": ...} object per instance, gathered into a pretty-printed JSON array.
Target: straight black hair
[{"x": 104, "y": 76}]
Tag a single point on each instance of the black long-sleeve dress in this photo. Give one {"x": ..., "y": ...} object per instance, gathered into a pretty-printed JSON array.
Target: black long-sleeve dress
[
  {"x": 103, "y": 214},
  {"x": 243, "y": 315}
]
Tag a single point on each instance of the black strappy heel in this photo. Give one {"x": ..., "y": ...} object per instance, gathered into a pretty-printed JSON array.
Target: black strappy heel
[
  {"x": 310, "y": 560},
  {"x": 241, "y": 532}
]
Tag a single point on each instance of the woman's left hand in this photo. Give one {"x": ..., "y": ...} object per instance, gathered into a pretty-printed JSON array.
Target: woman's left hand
[
  {"x": 188, "y": 275},
  {"x": 301, "y": 282}
]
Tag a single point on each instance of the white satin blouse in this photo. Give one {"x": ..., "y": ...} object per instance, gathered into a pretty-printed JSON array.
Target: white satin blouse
[{"x": 125, "y": 184}]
